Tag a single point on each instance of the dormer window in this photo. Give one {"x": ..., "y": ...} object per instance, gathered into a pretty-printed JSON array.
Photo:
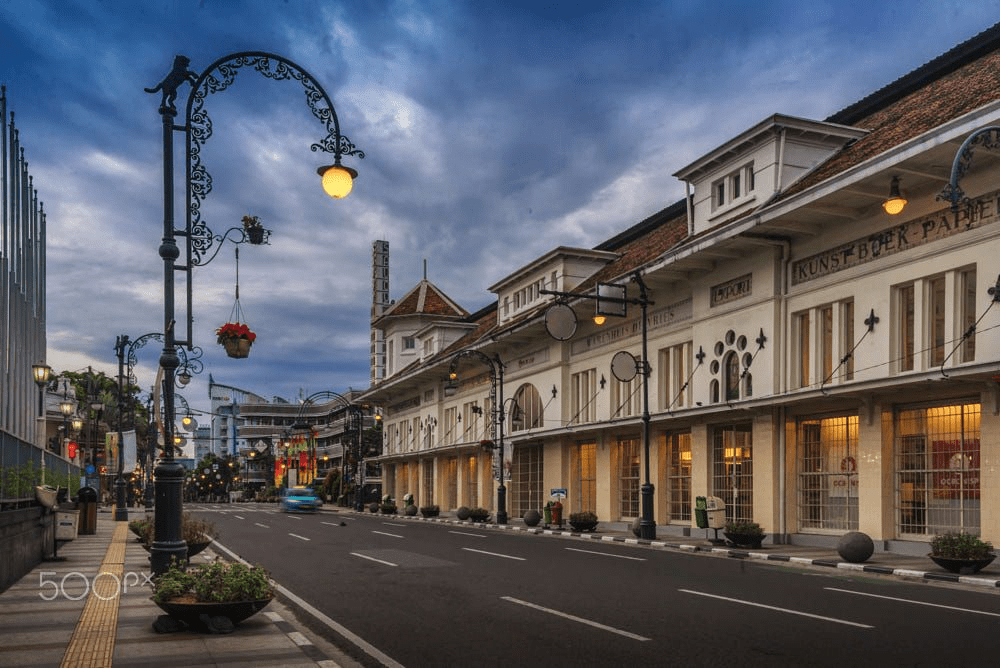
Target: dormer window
[
  {"x": 409, "y": 343},
  {"x": 732, "y": 189}
]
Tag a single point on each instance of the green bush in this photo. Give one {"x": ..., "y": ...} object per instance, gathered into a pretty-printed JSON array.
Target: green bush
[
  {"x": 219, "y": 582},
  {"x": 744, "y": 528},
  {"x": 960, "y": 545}
]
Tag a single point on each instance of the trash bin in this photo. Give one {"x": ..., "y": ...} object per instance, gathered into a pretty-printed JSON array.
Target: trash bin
[
  {"x": 701, "y": 512},
  {"x": 66, "y": 523},
  {"x": 557, "y": 513},
  {"x": 86, "y": 503},
  {"x": 547, "y": 513},
  {"x": 716, "y": 510}
]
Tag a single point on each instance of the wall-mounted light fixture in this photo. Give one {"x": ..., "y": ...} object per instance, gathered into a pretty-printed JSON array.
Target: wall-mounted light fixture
[{"x": 896, "y": 202}]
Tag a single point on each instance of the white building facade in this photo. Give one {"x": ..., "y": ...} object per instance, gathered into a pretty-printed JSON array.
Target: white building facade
[{"x": 819, "y": 364}]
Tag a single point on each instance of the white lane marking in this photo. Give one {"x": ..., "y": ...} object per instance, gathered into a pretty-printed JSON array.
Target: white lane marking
[
  {"x": 777, "y": 609},
  {"x": 238, "y": 517},
  {"x": 333, "y": 524},
  {"x": 365, "y": 646},
  {"x": 574, "y": 618},
  {"x": 605, "y": 554},
  {"x": 906, "y": 600},
  {"x": 387, "y": 563},
  {"x": 295, "y": 535},
  {"x": 390, "y": 524},
  {"x": 262, "y": 525},
  {"x": 349, "y": 518},
  {"x": 294, "y": 517},
  {"x": 383, "y": 533},
  {"x": 465, "y": 533},
  {"x": 494, "y": 554}
]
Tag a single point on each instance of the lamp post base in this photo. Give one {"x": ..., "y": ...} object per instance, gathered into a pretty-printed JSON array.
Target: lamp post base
[
  {"x": 121, "y": 509},
  {"x": 501, "y": 505},
  {"x": 647, "y": 525}
]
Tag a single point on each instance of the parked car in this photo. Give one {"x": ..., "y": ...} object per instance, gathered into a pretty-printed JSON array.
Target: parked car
[{"x": 299, "y": 499}]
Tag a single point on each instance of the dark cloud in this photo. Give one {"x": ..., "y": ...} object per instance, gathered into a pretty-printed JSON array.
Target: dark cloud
[{"x": 494, "y": 131}]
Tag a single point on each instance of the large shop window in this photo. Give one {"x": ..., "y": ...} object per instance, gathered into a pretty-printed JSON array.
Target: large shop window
[
  {"x": 937, "y": 469},
  {"x": 428, "y": 468},
  {"x": 583, "y": 496},
  {"x": 628, "y": 477},
  {"x": 930, "y": 316},
  {"x": 471, "y": 482},
  {"x": 526, "y": 412},
  {"x": 828, "y": 473},
  {"x": 675, "y": 453},
  {"x": 526, "y": 479},
  {"x": 451, "y": 480},
  {"x": 732, "y": 469}
]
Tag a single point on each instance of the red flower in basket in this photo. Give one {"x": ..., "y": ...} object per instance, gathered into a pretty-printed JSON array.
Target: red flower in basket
[{"x": 234, "y": 330}]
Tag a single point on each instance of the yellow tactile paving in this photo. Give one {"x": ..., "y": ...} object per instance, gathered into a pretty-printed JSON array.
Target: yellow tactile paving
[{"x": 93, "y": 641}]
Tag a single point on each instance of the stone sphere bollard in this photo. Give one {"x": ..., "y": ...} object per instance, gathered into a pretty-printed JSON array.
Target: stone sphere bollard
[
  {"x": 410, "y": 510},
  {"x": 636, "y": 527},
  {"x": 532, "y": 518},
  {"x": 373, "y": 507},
  {"x": 855, "y": 547},
  {"x": 463, "y": 513}
]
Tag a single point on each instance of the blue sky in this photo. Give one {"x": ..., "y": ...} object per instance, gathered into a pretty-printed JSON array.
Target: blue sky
[{"x": 494, "y": 132}]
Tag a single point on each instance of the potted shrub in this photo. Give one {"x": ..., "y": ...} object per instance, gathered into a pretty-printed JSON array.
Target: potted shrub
[
  {"x": 745, "y": 534},
  {"x": 214, "y": 596},
  {"x": 430, "y": 511},
  {"x": 583, "y": 521},
  {"x": 479, "y": 514},
  {"x": 197, "y": 533},
  {"x": 254, "y": 229},
  {"x": 961, "y": 553},
  {"x": 388, "y": 508}
]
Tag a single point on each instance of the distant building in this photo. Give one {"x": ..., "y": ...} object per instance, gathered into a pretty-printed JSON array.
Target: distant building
[{"x": 821, "y": 364}]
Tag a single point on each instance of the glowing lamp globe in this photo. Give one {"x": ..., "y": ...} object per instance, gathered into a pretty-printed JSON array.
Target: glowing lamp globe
[{"x": 337, "y": 180}]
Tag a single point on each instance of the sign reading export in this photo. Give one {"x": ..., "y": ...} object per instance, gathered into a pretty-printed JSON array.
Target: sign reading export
[{"x": 898, "y": 238}]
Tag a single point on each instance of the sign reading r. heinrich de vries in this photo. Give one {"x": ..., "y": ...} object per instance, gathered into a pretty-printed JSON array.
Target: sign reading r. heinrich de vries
[{"x": 891, "y": 240}]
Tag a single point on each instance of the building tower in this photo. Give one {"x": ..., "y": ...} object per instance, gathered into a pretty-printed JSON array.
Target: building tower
[{"x": 380, "y": 302}]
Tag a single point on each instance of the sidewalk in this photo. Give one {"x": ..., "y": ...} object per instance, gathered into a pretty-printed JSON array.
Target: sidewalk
[{"x": 94, "y": 609}]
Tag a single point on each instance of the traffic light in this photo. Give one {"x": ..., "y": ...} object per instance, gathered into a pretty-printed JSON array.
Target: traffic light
[{"x": 71, "y": 450}]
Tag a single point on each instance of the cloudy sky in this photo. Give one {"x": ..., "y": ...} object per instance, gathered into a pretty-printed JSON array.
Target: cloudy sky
[{"x": 494, "y": 131}]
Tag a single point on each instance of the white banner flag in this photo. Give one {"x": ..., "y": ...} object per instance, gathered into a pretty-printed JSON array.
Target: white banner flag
[{"x": 128, "y": 454}]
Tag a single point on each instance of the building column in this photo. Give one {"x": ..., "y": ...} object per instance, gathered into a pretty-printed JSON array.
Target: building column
[{"x": 875, "y": 485}]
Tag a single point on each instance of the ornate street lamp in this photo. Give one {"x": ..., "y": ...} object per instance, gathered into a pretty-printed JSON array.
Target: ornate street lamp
[
  {"x": 41, "y": 373},
  {"x": 197, "y": 128},
  {"x": 560, "y": 321},
  {"x": 354, "y": 417},
  {"x": 497, "y": 409}
]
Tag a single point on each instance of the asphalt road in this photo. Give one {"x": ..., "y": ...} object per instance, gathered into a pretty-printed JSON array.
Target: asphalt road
[{"x": 442, "y": 594}]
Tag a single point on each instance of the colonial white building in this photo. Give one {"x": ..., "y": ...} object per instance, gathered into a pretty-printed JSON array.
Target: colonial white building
[{"x": 820, "y": 364}]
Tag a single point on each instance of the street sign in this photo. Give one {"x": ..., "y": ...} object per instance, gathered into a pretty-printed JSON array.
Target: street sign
[
  {"x": 90, "y": 469},
  {"x": 558, "y": 491}
]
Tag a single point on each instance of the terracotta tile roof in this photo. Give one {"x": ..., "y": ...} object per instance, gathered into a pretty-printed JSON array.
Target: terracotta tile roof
[
  {"x": 425, "y": 299},
  {"x": 923, "y": 100}
]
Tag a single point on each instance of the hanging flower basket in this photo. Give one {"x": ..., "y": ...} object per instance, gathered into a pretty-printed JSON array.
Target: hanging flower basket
[
  {"x": 236, "y": 338},
  {"x": 254, "y": 230}
]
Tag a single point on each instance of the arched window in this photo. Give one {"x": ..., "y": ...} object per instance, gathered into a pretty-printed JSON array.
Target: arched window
[
  {"x": 732, "y": 375},
  {"x": 526, "y": 411}
]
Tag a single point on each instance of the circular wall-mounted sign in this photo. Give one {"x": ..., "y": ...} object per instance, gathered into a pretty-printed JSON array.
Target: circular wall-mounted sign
[
  {"x": 560, "y": 321},
  {"x": 624, "y": 366}
]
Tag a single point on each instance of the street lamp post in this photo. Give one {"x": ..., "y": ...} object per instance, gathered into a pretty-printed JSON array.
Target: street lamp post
[
  {"x": 499, "y": 416},
  {"x": 352, "y": 412},
  {"x": 562, "y": 330},
  {"x": 197, "y": 128}
]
